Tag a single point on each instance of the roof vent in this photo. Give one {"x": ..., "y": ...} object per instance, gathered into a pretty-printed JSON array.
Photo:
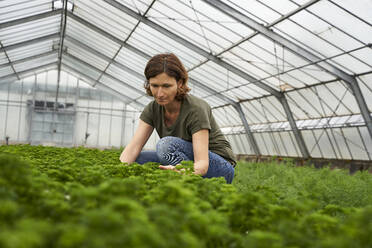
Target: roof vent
[{"x": 58, "y": 4}]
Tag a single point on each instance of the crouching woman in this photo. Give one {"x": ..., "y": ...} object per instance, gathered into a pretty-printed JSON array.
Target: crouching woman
[{"x": 185, "y": 124}]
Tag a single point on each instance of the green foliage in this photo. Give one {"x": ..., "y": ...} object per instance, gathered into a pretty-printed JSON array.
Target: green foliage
[
  {"x": 284, "y": 181},
  {"x": 78, "y": 197}
]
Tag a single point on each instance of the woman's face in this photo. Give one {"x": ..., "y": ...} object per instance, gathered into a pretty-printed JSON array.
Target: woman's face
[{"x": 164, "y": 88}]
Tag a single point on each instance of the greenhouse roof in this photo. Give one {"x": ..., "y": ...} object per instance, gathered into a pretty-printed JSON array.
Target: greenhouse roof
[{"x": 283, "y": 65}]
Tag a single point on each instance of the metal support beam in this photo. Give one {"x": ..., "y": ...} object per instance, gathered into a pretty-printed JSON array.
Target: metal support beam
[
  {"x": 60, "y": 49},
  {"x": 30, "y": 42},
  {"x": 251, "y": 139},
  {"x": 303, "y": 53},
  {"x": 300, "y": 140},
  {"x": 29, "y": 19},
  {"x": 10, "y": 62},
  {"x": 362, "y": 106}
]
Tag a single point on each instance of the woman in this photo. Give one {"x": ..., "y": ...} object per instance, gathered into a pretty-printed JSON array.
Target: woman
[{"x": 185, "y": 124}]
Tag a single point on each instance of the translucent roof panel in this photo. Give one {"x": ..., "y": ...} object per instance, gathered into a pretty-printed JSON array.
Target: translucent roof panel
[
  {"x": 30, "y": 30},
  {"x": 91, "y": 38},
  {"x": 199, "y": 23},
  {"x": 118, "y": 86},
  {"x": 81, "y": 66},
  {"x": 31, "y": 50},
  {"x": 364, "y": 55},
  {"x": 223, "y": 81},
  {"x": 3, "y": 58},
  {"x": 106, "y": 17},
  {"x": 200, "y": 91},
  {"x": 342, "y": 20},
  {"x": 86, "y": 56},
  {"x": 272, "y": 61},
  {"x": 352, "y": 64},
  {"x": 324, "y": 30},
  {"x": 262, "y": 11},
  {"x": 35, "y": 62},
  {"x": 132, "y": 60},
  {"x": 137, "y": 6},
  {"x": 30, "y": 71},
  {"x": 15, "y": 9},
  {"x": 360, "y": 10},
  {"x": 153, "y": 42},
  {"x": 332, "y": 99},
  {"x": 325, "y": 35},
  {"x": 227, "y": 117},
  {"x": 263, "y": 110},
  {"x": 132, "y": 80},
  {"x": 5, "y": 71}
]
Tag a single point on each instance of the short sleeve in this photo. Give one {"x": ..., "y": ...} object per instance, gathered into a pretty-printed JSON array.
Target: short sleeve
[
  {"x": 200, "y": 118},
  {"x": 147, "y": 114}
]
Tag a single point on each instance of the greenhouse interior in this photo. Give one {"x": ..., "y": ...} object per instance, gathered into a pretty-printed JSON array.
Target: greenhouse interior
[
  {"x": 283, "y": 78},
  {"x": 289, "y": 83}
]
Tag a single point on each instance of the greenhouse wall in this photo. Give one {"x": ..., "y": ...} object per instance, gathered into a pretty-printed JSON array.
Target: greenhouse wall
[
  {"x": 89, "y": 117},
  {"x": 93, "y": 118}
]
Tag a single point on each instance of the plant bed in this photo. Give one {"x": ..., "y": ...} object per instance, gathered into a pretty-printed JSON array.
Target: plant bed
[{"x": 78, "y": 197}]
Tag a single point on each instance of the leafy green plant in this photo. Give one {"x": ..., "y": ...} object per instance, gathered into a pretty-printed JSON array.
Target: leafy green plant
[{"x": 79, "y": 197}]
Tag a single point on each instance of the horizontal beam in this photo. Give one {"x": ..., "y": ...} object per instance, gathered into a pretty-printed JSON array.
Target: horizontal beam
[
  {"x": 15, "y": 62},
  {"x": 29, "y": 19},
  {"x": 27, "y": 72},
  {"x": 30, "y": 42}
]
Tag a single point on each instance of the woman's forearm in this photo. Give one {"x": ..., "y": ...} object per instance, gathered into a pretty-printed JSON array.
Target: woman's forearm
[
  {"x": 201, "y": 167},
  {"x": 129, "y": 154}
]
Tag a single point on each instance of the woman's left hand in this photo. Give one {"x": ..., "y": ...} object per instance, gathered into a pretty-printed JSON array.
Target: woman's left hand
[
  {"x": 167, "y": 167},
  {"x": 171, "y": 167}
]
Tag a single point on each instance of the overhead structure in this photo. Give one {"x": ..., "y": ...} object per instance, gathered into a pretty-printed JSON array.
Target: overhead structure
[{"x": 285, "y": 78}]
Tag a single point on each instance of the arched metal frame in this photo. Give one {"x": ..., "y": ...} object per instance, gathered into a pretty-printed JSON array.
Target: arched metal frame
[{"x": 224, "y": 8}]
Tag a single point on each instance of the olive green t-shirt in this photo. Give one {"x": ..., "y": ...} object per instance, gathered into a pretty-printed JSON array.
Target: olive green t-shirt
[{"x": 195, "y": 115}]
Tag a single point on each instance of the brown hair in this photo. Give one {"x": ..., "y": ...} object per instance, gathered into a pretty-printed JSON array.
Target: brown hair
[{"x": 173, "y": 67}]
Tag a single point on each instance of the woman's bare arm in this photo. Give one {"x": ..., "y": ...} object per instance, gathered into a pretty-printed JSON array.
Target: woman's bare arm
[
  {"x": 139, "y": 139},
  {"x": 200, "y": 142}
]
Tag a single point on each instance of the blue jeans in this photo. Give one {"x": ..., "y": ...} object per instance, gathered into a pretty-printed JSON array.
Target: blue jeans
[{"x": 172, "y": 150}]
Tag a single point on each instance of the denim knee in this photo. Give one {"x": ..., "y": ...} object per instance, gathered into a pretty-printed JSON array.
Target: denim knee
[
  {"x": 163, "y": 147},
  {"x": 172, "y": 150}
]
